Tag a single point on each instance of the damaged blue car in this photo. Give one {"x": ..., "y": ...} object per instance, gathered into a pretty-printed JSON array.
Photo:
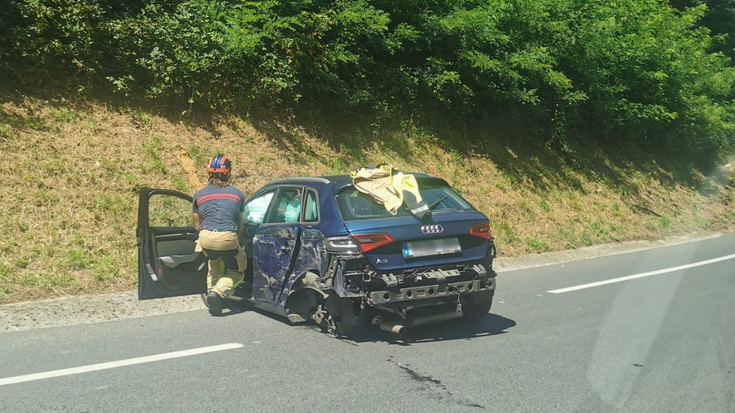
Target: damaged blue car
[{"x": 319, "y": 250}]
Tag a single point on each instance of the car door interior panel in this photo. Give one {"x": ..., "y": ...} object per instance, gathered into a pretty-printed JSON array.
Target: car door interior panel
[
  {"x": 168, "y": 265},
  {"x": 173, "y": 261}
]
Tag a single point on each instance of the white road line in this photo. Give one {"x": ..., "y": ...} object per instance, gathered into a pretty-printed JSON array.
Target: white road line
[
  {"x": 641, "y": 275},
  {"x": 118, "y": 363}
]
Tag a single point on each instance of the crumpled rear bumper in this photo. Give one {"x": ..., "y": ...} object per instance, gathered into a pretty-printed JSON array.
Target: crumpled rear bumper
[{"x": 449, "y": 291}]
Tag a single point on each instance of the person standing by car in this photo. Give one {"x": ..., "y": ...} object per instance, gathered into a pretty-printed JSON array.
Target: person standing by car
[{"x": 217, "y": 210}]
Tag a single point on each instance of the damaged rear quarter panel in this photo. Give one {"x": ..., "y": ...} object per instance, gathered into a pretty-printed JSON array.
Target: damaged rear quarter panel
[{"x": 312, "y": 253}]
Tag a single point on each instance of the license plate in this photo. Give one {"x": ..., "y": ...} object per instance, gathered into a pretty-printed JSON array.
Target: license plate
[{"x": 429, "y": 247}]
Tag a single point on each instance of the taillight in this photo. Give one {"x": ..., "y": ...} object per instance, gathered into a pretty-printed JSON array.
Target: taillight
[
  {"x": 342, "y": 245},
  {"x": 368, "y": 242},
  {"x": 480, "y": 230}
]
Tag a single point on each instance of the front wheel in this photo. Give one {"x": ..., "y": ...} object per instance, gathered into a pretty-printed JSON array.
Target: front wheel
[{"x": 476, "y": 306}]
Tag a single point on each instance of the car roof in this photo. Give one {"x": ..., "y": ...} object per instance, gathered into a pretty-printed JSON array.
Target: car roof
[{"x": 338, "y": 182}]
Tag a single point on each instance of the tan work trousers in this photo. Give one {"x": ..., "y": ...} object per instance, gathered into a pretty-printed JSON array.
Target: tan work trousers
[{"x": 220, "y": 279}]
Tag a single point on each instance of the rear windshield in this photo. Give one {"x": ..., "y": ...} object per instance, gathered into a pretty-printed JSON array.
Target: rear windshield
[{"x": 356, "y": 206}]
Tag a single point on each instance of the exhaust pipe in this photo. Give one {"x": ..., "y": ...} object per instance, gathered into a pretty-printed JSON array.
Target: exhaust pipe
[
  {"x": 437, "y": 315},
  {"x": 391, "y": 327}
]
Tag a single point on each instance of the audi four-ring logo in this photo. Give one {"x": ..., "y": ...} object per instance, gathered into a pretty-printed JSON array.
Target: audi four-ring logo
[{"x": 432, "y": 229}]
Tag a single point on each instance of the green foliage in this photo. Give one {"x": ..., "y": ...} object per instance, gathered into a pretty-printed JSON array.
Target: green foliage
[
  {"x": 537, "y": 245},
  {"x": 544, "y": 205},
  {"x": 35, "y": 123},
  {"x": 338, "y": 166},
  {"x": 141, "y": 117},
  {"x": 6, "y": 132},
  {"x": 719, "y": 18},
  {"x": 599, "y": 230},
  {"x": 624, "y": 192},
  {"x": 702, "y": 222},
  {"x": 153, "y": 148},
  {"x": 506, "y": 233},
  {"x": 47, "y": 281},
  {"x": 585, "y": 238},
  {"x": 179, "y": 184},
  {"x": 113, "y": 207},
  {"x": 106, "y": 269},
  {"x": 64, "y": 115},
  {"x": 636, "y": 71},
  {"x": 76, "y": 259},
  {"x": 22, "y": 262},
  {"x": 198, "y": 156}
]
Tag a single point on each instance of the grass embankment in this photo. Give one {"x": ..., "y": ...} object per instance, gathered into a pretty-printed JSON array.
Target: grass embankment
[{"x": 71, "y": 174}]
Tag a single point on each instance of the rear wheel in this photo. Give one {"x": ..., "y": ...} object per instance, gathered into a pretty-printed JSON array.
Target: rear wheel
[
  {"x": 476, "y": 306},
  {"x": 347, "y": 316}
]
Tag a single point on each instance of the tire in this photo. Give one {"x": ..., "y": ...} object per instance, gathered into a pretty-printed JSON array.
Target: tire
[
  {"x": 477, "y": 305},
  {"x": 347, "y": 316}
]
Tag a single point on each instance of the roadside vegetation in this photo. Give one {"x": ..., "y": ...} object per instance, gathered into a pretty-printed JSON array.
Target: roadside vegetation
[{"x": 569, "y": 123}]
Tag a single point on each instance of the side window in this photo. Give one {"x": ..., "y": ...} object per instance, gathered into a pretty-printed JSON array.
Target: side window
[
  {"x": 168, "y": 211},
  {"x": 286, "y": 208},
  {"x": 255, "y": 210},
  {"x": 311, "y": 212}
]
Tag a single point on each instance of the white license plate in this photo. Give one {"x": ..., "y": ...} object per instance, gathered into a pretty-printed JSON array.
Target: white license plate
[{"x": 429, "y": 247}]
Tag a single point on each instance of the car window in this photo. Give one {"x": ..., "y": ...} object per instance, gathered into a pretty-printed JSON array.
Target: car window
[
  {"x": 168, "y": 211},
  {"x": 311, "y": 212},
  {"x": 286, "y": 207},
  {"x": 255, "y": 210},
  {"x": 443, "y": 198},
  {"x": 356, "y": 206}
]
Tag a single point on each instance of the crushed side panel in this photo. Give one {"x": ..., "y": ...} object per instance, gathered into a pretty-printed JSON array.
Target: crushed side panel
[
  {"x": 312, "y": 257},
  {"x": 272, "y": 252}
]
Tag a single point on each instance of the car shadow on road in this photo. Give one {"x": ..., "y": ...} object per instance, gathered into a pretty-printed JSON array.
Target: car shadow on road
[{"x": 492, "y": 324}]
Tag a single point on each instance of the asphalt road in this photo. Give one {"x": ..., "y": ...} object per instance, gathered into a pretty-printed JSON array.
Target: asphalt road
[{"x": 660, "y": 343}]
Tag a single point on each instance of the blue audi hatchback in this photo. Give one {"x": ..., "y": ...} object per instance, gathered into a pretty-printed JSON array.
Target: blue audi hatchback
[{"x": 320, "y": 250}]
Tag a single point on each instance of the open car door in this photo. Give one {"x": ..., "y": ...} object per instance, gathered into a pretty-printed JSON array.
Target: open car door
[{"x": 167, "y": 263}]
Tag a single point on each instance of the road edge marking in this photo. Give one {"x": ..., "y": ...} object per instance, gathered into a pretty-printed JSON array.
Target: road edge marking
[
  {"x": 641, "y": 275},
  {"x": 119, "y": 363}
]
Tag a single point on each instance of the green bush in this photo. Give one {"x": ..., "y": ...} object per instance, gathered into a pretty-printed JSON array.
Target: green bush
[{"x": 637, "y": 71}]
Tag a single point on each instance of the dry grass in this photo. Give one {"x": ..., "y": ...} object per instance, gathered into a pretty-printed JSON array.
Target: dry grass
[{"x": 71, "y": 179}]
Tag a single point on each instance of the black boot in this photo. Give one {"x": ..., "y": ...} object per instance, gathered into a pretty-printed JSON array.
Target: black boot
[{"x": 215, "y": 303}]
